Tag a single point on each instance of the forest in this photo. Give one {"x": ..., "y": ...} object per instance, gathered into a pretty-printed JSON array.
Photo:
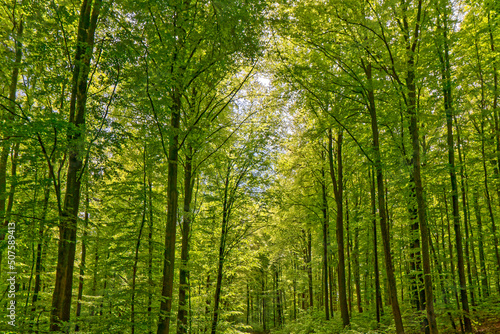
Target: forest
[{"x": 249, "y": 166}]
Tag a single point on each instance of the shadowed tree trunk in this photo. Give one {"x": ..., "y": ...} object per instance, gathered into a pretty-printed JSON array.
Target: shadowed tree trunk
[
  {"x": 337, "y": 181},
  {"x": 61, "y": 298},
  {"x": 5, "y": 146}
]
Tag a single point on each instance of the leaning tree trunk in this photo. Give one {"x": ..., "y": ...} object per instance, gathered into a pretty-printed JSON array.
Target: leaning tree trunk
[{"x": 61, "y": 298}]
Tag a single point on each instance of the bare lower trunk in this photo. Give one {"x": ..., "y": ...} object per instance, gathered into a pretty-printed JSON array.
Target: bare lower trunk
[{"x": 169, "y": 255}]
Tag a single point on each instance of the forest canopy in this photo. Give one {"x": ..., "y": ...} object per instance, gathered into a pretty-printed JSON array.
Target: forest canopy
[{"x": 250, "y": 166}]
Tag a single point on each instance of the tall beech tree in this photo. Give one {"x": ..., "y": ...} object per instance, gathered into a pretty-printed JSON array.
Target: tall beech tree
[
  {"x": 61, "y": 298},
  {"x": 338, "y": 184},
  {"x": 444, "y": 59}
]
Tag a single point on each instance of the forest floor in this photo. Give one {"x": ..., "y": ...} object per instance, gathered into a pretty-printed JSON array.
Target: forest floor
[{"x": 490, "y": 326}]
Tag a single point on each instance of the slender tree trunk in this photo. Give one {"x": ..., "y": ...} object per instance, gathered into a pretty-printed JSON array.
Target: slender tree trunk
[
  {"x": 138, "y": 243},
  {"x": 61, "y": 298},
  {"x": 431, "y": 325},
  {"x": 5, "y": 146},
  {"x": 482, "y": 262},
  {"x": 357, "y": 277},
  {"x": 416, "y": 278},
  {"x": 391, "y": 280},
  {"x": 349, "y": 252},
  {"x": 39, "y": 252},
  {"x": 331, "y": 286},
  {"x": 309, "y": 268},
  {"x": 84, "y": 254},
  {"x": 324, "y": 210},
  {"x": 440, "y": 272},
  {"x": 378, "y": 294},
  {"x": 497, "y": 135},
  {"x": 495, "y": 103},
  {"x": 207, "y": 305},
  {"x": 150, "y": 258},
  {"x": 443, "y": 54},
  {"x": 464, "y": 209},
  {"x": 264, "y": 314},
  {"x": 248, "y": 305},
  {"x": 222, "y": 251},
  {"x": 338, "y": 191},
  {"x": 182, "y": 315},
  {"x": 279, "y": 306},
  {"x": 452, "y": 265},
  {"x": 96, "y": 268},
  {"x": 177, "y": 72},
  {"x": 490, "y": 208},
  {"x": 294, "y": 292}
]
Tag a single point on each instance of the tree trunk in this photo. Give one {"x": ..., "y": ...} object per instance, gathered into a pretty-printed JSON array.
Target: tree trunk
[
  {"x": 94, "y": 279},
  {"x": 490, "y": 208},
  {"x": 138, "y": 243},
  {"x": 169, "y": 255},
  {"x": 309, "y": 268},
  {"x": 39, "y": 252},
  {"x": 324, "y": 210},
  {"x": 378, "y": 294},
  {"x": 150, "y": 258},
  {"x": 357, "y": 277},
  {"x": 482, "y": 262},
  {"x": 448, "y": 108},
  {"x": 495, "y": 105},
  {"x": 416, "y": 278},
  {"x": 222, "y": 250},
  {"x": 84, "y": 254},
  {"x": 465, "y": 213},
  {"x": 5, "y": 141},
  {"x": 384, "y": 228},
  {"x": 182, "y": 315},
  {"x": 349, "y": 252},
  {"x": 338, "y": 191},
  {"x": 452, "y": 266},
  {"x": 61, "y": 298}
]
